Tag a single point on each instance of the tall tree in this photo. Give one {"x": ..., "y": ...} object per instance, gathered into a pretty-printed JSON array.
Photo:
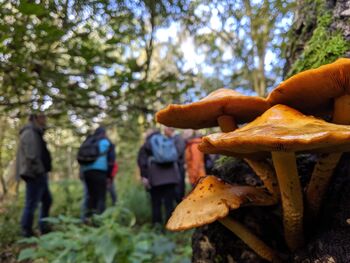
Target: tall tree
[
  {"x": 81, "y": 59},
  {"x": 236, "y": 37}
]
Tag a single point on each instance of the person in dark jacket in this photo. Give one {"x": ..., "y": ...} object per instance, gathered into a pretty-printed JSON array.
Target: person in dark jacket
[
  {"x": 95, "y": 175},
  {"x": 180, "y": 147},
  {"x": 160, "y": 179},
  {"x": 33, "y": 163}
]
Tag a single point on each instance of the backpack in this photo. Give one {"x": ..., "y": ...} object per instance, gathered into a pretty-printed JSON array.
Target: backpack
[
  {"x": 163, "y": 149},
  {"x": 88, "y": 151}
]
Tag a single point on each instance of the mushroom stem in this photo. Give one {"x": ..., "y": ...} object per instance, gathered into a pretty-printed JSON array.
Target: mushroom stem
[
  {"x": 250, "y": 239},
  {"x": 319, "y": 182},
  {"x": 291, "y": 195},
  {"x": 227, "y": 123},
  {"x": 263, "y": 171},
  {"x": 325, "y": 166},
  {"x": 341, "y": 113},
  {"x": 267, "y": 175}
]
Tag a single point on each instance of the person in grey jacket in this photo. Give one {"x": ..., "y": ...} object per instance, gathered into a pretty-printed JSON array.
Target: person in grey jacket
[
  {"x": 33, "y": 162},
  {"x": 159, "y": 179}
]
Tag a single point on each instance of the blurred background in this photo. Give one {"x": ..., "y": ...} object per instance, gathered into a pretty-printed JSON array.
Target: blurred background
[{"x": 115, "y": 63}]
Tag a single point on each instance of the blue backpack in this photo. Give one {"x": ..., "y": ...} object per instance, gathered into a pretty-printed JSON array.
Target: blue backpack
[{"x": 163, "y": 149}]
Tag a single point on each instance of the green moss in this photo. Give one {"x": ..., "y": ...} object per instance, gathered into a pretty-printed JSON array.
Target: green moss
[{"x": 323, "y": 47}]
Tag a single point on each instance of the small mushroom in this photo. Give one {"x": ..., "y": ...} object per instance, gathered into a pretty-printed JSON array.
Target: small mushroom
[
  {"x": 211, "y": 200},
  {"x": 313, "y": 92},
  {"x": 283, "y": 131}
]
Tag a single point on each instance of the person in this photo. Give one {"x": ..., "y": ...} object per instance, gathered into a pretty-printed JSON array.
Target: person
[
  {"x": 180, "y": 145},
  {"x": 96, "y": 174},
  {"x": 33, "y": 163},
  {"x": 159, "y": 177},
  {"x": 113, "y": 170},
  {"x": 194, "y": 159}
]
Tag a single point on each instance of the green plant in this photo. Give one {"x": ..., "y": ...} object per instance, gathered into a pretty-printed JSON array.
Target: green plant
[
  {"x": 9, "y": 226},
  {"x": 116, "y": 239},
  {"x": 131, "y": 193}
]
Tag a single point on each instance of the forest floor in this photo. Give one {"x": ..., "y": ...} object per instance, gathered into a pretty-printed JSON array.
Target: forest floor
[{"x": 123, "y": 233}]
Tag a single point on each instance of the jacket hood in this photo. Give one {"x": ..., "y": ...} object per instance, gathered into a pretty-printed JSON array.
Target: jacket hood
[
  {"x": 153, "y": 133},
  {"x": 30, "y": 125}
]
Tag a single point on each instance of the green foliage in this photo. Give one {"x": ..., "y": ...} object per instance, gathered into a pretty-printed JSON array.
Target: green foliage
[
  {"x": 122, "y": 235},
  {"x": 134, "y": 196},
  {"x": 10, "y": 213},
  {"x": 67, "y": 197},
  {"x": 116, "y": 239},
  {"x": 323, "y": 47},
  {"x": 79, "y": 59}
]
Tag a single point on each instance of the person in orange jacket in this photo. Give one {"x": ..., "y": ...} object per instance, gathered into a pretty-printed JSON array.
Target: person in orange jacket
[{"x": 194, "y": 159}]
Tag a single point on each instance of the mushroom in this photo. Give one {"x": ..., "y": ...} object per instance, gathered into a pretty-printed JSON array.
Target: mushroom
[
  {"x": 226, "y": 108},
  {"x": 313, "y": 92},
  {"x": 211, "y": 200},
  {"x": 283, "y": 131},
  {"x": 223, "y": 107}
]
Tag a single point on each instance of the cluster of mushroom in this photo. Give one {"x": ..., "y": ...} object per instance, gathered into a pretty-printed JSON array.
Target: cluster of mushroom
[{"x": 273, "y": 127}]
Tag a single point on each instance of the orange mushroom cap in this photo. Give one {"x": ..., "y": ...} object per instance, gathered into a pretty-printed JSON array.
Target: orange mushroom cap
[
  {"x": 312, "y": 91},
  {"x": 204, "y": 113},
  {"x": 282, "y": 128},
  {"x": 212, "y": 199}
]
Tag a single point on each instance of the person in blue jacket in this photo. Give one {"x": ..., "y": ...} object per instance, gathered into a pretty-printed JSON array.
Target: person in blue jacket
[{"x": 96, "y": 174}]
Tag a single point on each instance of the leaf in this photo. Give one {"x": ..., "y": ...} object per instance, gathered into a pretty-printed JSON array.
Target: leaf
[
  {"x": 28, "y": 253},
  {"x": 51, "y": 220},
  {"x": 107, "y": 249},
  {"x": 30, "y": 8},
  {"x": 30, "y": 240}
]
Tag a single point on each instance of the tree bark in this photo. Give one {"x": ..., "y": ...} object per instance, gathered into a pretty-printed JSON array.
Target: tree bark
[
  {"x": 341, "y": 18},
  {"x": 305, "y": 22},
  {"x": 327, "y": 239}
]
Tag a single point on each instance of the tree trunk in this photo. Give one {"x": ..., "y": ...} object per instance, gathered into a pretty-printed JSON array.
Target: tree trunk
[
  {"x": 341, "y": 19},
  {"x": 305, "y": 23},
  {"x": 2, "y": 146}
]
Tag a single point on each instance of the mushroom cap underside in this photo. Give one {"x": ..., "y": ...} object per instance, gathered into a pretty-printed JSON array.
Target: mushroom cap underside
[
  {"x": 313, "y": 91},
  {"x": 281, "y": 128},
  {"x": 212, "y": 199},
  {"x": 204, "y": 113}
]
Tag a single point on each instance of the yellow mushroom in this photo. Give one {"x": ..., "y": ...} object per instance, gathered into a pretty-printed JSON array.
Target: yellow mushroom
[
  {"x": 282, "y": 131},
  {"x": 211, "y": 200},
  {"x": 313, "y": 92},
  {"x": 237, "y": 108}
]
